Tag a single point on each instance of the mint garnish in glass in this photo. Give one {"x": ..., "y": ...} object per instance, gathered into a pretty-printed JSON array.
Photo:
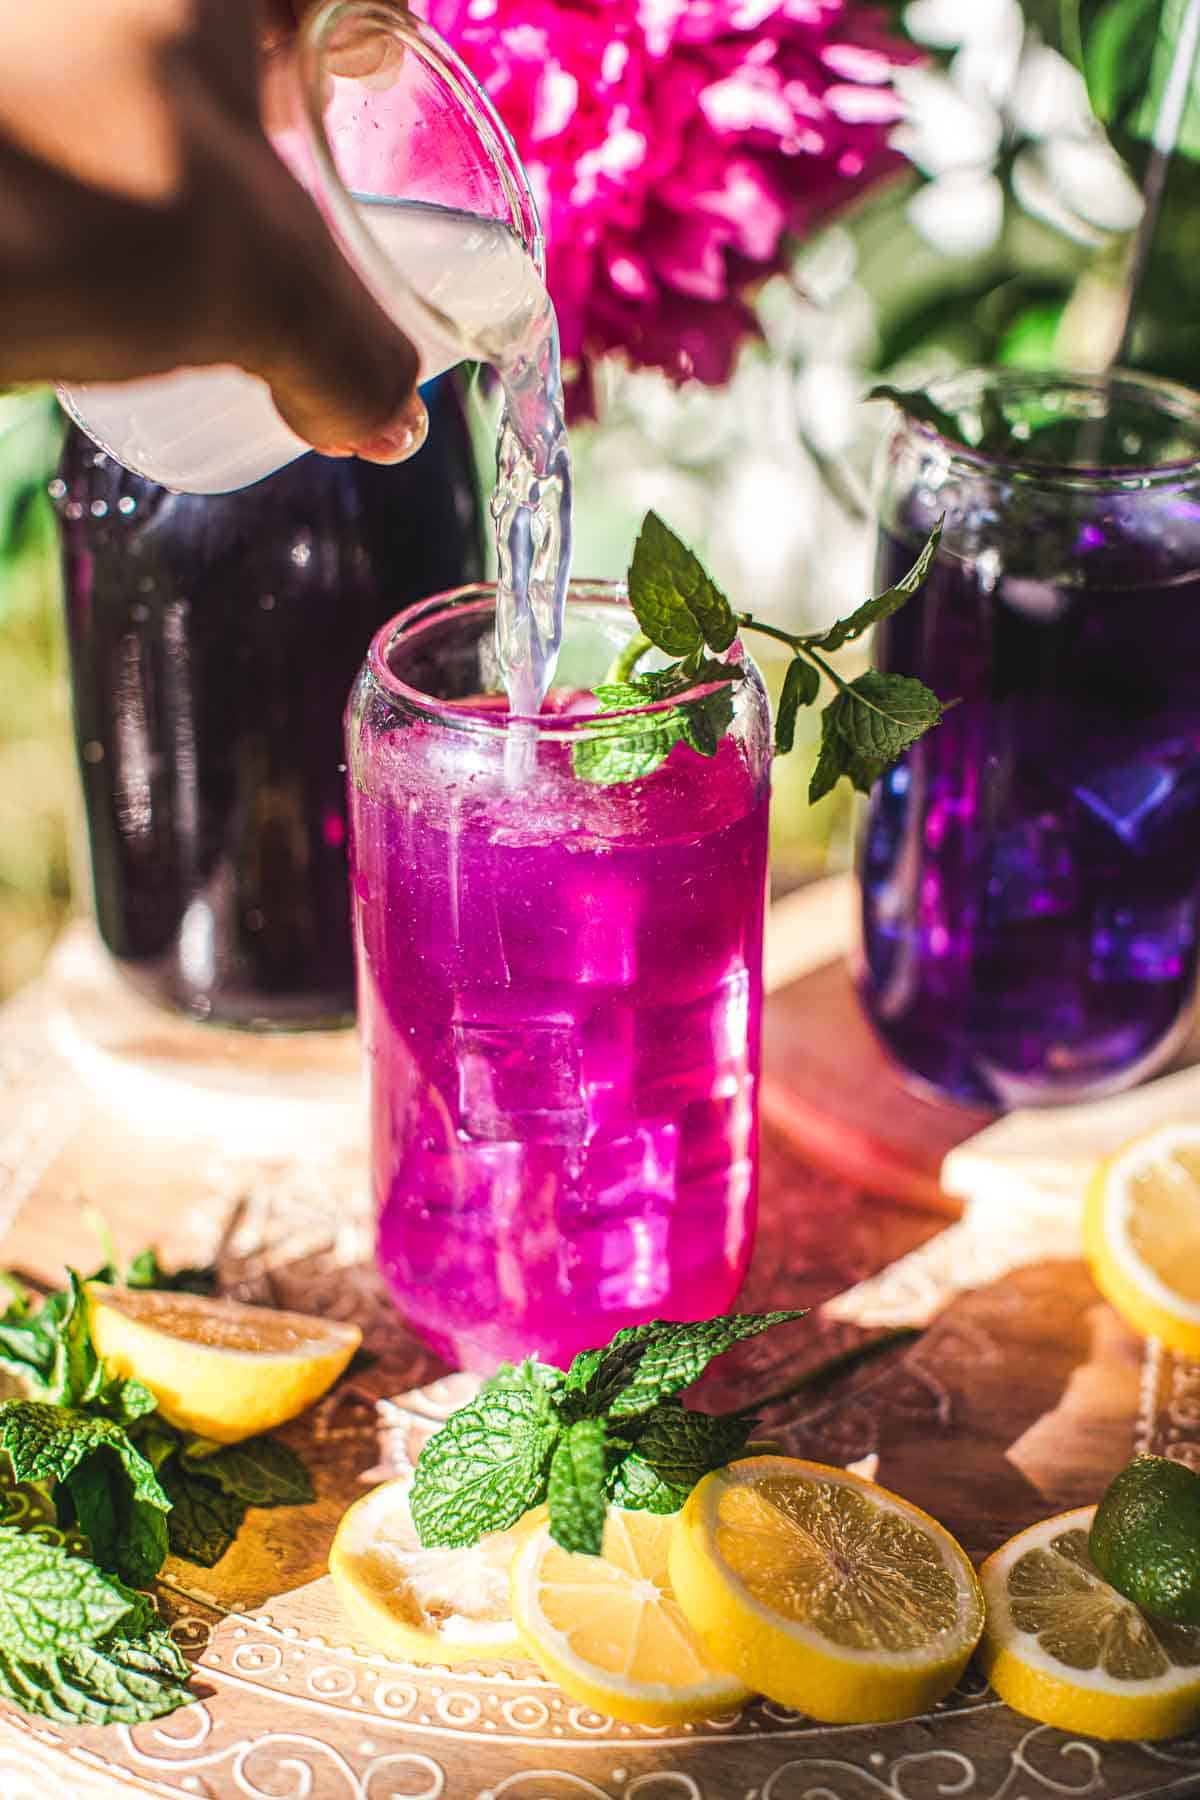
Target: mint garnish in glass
[{"x": 867, "y": 724}]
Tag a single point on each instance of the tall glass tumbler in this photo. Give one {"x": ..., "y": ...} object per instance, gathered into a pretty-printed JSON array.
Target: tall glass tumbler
[
  {"x": 1031, "y": 869},
  {"x": 560, "y": 989}
]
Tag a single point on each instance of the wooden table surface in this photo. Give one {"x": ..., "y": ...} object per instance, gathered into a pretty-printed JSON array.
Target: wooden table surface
[{"x": 1019, "y": 1400}]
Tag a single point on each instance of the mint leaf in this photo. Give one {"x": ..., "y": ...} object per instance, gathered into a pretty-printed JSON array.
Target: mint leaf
[
  {"x": 801, "y": 685},
  {"x": 529, "y": 1376},
  {"x": 145, "y": 1271},
  {"x": 575, "y": 1487},
  {"x": 119, "y": 1682},
  {"x": 203, "y": 1520},
  {"x": 885, "y": 604},
  {"x": 156, "y": 1442},
  {"x": 127, "y": 1535},
  {"x": 45, "y": 1443},
  {"x": 485, "y": 1467},
  {"x": 675, "y": 601},
  {"x": 260, "y": 1471},
  {"x": 833, "y": 761},
  {"x": 20, "y": 1305},
  {"x": 625, "y": 751},
  {"x": 680, "y": 1446},
  {"x": 704, "y": 722},
  {"x": 53, "y": 1601},
  {"x": 920, "y": 406},
  {"x": 878, "y": 716},
  {"x": 75, "y": 1361},
  {"x": 651, "y": 1362},
  {"x": 643, "y": 743},
  {"x": 634, "y": 1485},
  {"x": 91, "y": 1490}
]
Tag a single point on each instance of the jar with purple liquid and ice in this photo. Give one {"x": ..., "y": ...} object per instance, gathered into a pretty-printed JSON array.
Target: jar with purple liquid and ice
[
  {"x": 560, "y": 990},
  {"x": 1030, "y": 871}
]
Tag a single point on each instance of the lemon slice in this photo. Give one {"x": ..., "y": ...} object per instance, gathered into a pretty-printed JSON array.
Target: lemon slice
[
  {"x": 823, "y": 1591},
  {"x": 608, "y": 1628},
  {"x": 1142, "y": 1232},
  {"x": 422, "y": 1605},
  {"x": 1065, "y": 1648},
  {"x": 217, "y": 1368}
]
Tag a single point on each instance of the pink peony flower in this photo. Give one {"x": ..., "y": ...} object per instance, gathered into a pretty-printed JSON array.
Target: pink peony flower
[{"x": 673, "y": 146}]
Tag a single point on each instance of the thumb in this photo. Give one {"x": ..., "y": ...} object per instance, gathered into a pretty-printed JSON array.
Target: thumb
[{"x": 341, "y": 374}]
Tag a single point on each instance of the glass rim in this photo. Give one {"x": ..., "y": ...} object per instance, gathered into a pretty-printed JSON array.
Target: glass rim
[
  {"x": 419, "y": 38},
  {"x": 479, "y": 598},
  {"x": 1169, "y": 398}
]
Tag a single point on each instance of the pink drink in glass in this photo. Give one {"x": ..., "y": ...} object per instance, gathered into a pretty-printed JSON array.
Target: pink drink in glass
[{"x": 560, "y": 996}]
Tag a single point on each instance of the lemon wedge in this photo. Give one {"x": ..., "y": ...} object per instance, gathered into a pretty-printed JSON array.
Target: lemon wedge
[
  {"x": 609, "y": 1629},
  {"x": 1065, "y": 1648},
  {"x": 1142, "y": 1234},
  {"x": 217, "y": 1368},
  {"x": 823, "y": 1591},
  {"x": 422, "y": 1605}
]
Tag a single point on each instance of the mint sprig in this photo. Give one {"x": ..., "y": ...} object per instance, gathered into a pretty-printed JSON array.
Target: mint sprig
[
  {"x": 868, "y": 723},
  {"x": 78, "y": 1643},
  {"x": 611, "y": 1429}
]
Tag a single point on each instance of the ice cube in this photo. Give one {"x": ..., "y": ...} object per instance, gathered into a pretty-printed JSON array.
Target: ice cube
[
  {"x": 695, "y": 1051},
  {"x": 607, "y": 1030},
  {"x": 580, "y": 926},
  {"x": 519, "y": 1072},
  {"x": 1147, "y": 799},
  {"x": 1031, "y": 872}
]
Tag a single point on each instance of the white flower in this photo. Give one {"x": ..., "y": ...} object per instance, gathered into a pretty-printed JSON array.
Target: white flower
[{"x": 1004, "y": 86}]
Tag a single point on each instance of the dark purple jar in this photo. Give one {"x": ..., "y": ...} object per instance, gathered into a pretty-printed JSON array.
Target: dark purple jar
[
  {"x": 213, "y": 641},
  {"x": 1031, "y": 869}
]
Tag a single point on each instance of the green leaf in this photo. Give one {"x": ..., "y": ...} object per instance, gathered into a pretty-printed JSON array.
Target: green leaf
[
  {"x": 680, "y": 1446},
  {"x": 484, "y": 1468},
  {"x": 628, "y": 750},
  {"x": 20, "y": 1305},
  {"x": 44, "y": 1443},
  {"x": 883, "y": 605},
  {"x": 119, "y": 1682},
  {"x": 625, "y": 753},
  {"x": 525, "y": 1377},
  {"x": 91, "y": 1488},
  {"x": 801, "y": 685},
  {"x": 648, "y": 1363},
  {"x": 704, "y": 722},
  {"x": 145, "y": 1271},
  {"x": 75, "y": 1360},
  {"x": 128, "y": 1536},
  {"x": 261, "y": 1472},
  {"x": 203, "y": 1520},
  {"x": 878, "y": 716},
  {"x": 675, "y": 601},
  {"x": 576, "y": 1488},
  {"x": 833, "y": 760},
  {"x": 635, "y": 1486},
  {"x": 53, "y": 1601}
]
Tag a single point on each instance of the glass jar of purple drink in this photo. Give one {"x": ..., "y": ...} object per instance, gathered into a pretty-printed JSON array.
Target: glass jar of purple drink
[
  {"x": 560, "y": 990},
  {"x": 1031, "y": 870},
  {"x": 212, "y": 641}
]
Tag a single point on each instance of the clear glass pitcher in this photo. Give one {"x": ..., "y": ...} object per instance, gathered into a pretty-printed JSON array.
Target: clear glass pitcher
[{"x": 423, "y": 189}]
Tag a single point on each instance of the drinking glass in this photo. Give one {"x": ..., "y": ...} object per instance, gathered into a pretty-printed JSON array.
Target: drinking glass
[
  {"x": 423, "y": 190},
  {"x": 1031, "y": 869},
  {"x": 560, "y": 989}
]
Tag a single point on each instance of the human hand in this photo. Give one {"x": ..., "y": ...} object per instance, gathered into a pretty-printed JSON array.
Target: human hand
[{"x": 146, "y": 223}]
